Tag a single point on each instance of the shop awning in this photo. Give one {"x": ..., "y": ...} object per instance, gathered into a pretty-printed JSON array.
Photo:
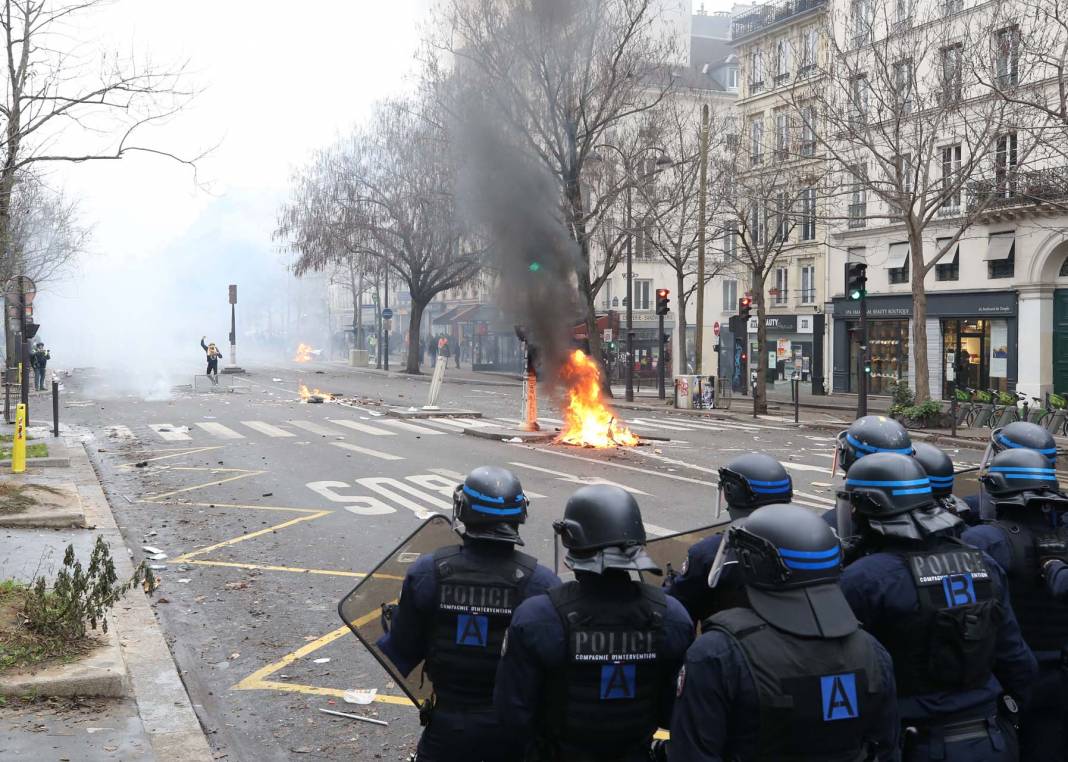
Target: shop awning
[
  {"x": 1000, "y": 247},
  {"x": 609, "y": 320},
  {"x": 952, "y": 255},
  {"x": 899, "y": 254},
  {"x": 449, "y": 316}
]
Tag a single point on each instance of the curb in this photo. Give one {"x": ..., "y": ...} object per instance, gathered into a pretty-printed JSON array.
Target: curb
[
  {"x": 54, "y": 513},
  {"x": 101, "y": 673},
  {"x": 503, "y": 435},
  {"x": 40, "y": 463},
  {"x": 441, "y": 412},
  {"x": 171, "y": 725}
]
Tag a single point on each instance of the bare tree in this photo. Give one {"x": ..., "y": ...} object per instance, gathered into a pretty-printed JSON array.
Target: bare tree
[
  {"x": 47, "y": 236},
  {"x": 560, "y": 77},
  {"x": 910, "y": 131}
]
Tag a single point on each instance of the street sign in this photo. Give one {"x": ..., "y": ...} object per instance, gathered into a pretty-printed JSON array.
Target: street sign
[
  {"x": 387, "y": 313},
  {"x": 607, "y": 334},
  {"x": 389, "y": 324},
  {"x": 233, "y": 293},
  {"x": 20, "y": 284},
  {"x": 715, "y": 329}
]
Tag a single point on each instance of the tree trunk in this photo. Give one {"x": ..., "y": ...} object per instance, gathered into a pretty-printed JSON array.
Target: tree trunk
[
  {"x": 682, "y": 363},
  {"x": 357, "y": 319},
  {"x": 919, "y": 319},
  {"x": 415, "y": 320},
  {"x": 760, "y": 393}
]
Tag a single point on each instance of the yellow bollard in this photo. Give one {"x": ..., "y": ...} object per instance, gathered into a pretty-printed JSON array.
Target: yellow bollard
[{"x": 18, "y": 444}]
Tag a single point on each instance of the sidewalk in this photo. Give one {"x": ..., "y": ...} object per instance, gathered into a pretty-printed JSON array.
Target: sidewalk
[{"x": 153, "y": 718}]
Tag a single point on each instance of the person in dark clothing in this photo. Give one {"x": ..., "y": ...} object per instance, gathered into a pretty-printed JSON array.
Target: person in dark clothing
[
  {"x": 588, "y": 670},
  {"x": 39, "y": 361},
  {"x": 213, "y": 355},
  {"x": 942, "y": 610},
  {"x": 789, "y": 675},
  {"x": 444, "y": 620}
]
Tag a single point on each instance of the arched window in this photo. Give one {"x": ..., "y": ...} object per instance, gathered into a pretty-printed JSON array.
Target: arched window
[{"x": 1064, "y": 269}]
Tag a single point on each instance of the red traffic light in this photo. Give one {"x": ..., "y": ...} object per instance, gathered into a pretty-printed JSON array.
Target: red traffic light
[
  {"x": 746, "y": 301},
  {"x": 662, "y": 293}
]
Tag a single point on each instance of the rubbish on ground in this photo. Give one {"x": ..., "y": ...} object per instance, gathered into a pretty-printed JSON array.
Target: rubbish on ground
[
  {"x": 238, "y": 585},
  {"x": 158, "y": 567},
  {"x": 185, "y": 581},
  {"x": 360, "y": 695},
  {"x": 324, "y": 660},
  {"x": 153, "y": 533},
  {"x": 513, "y": 440},
  {"x": 150, "y": 549},
  {"x": 141, "y": 464},
  {"x": 268, "y": 494},
  {"x": 235, "y": 655},
  {"x": 276, "y": 379},
  {"x": 157, "y": 556},
  {"x": 354, "y": 717}
]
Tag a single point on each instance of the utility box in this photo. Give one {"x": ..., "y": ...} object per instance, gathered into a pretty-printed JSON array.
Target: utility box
[{"x": 358, "y": 358}]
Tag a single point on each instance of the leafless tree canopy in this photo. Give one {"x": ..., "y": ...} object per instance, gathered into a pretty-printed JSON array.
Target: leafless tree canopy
[{"x": 47, "y": 236}]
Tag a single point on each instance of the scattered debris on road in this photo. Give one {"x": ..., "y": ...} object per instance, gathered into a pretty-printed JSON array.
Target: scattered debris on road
[
  {"x": 353, "y": 717},
  {"x": 360, "y": 695}
]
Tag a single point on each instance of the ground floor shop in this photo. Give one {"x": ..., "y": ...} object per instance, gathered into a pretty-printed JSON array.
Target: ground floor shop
[{"x": 971, "y": 339}]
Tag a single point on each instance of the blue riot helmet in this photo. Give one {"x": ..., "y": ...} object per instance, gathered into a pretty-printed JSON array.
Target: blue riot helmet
[
  {"x": 789, "y": 561},
  {"x": 939, "y": 468},
  {"x": 1021, "y": 435},
  {"x": 1023, "y": 477},
  {"x": 868, "y": 435},
  {"x": 750, "y": 481},
  {"x": 602, "y": 529},
  {"x": 890, "y": 494},
  {"x": 490, "y": 505}
]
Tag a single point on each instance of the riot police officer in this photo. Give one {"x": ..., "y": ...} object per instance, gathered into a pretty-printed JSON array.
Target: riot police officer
[
  {"x": 939, "y": 467},
  {"x": 588, "y": 670},
  {"x": 871, "y": 434},
  {"x": 746, "y": 483},
  {"x": 453, "y": 612},
  {"x": 1018, "y": 435},
  {"x": 942, "y": 610},
  {"x": 1028, "y": 540},
  {"x": 790, "y": 676}
]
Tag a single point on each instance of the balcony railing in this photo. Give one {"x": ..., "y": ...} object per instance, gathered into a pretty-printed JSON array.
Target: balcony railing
[
  {"x": 1021, "y": 188},
  {"x": 807, "y": 296},
  {"x": 771, "y": 13}
]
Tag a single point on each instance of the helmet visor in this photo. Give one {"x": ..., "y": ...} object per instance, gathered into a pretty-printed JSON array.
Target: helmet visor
[{"x": 724, "y": 558}]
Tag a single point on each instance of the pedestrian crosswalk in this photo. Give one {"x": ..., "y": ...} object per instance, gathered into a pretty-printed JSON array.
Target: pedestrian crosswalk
[{"x": 339, "y": 428}]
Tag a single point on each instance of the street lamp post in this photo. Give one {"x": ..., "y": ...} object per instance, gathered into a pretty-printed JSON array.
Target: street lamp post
[{"x": 629, "y": 371}]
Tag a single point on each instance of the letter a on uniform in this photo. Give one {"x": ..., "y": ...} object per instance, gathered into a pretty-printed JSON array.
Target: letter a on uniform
[
  {"x": 839, "y": 694},
  {"x": 472, "y": 630},
  {"x": 617, "y": 681}
]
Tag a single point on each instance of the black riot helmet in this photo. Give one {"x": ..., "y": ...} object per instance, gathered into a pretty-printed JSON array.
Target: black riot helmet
[
  {"x": 939, "y": 468},
  {"x": 891, "y": 495},
  {"x": 752, "y": 480},
  {"x": 1012, "y": 472},
  {"x": 1022, "y": 435},
  {"x": 871, "y": 434},
  {"x": 491, "y": 505},
  {"x": 602, "y": 529},
  {"x": 790, "y": 560}
]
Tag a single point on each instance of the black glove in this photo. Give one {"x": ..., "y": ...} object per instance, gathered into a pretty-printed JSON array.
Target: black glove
[
  {"x": 388, "y": 610},
  {"x": 852, "y": 549},
  {"x": 1049, "y": 547}
]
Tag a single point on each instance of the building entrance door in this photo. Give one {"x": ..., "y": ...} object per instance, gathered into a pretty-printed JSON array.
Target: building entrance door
[{"x": 1060, "y": 340}]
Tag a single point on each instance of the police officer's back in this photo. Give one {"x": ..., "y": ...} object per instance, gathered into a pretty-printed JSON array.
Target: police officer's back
[
  {"x": 942, "y": 610},
  {"x": 791, "y": 676},
  {"x": 1028, "y": 540},
  {"x": 453, "y": 612},
  {"x": 746, "y": 483},
  {"x": 1018, "y": 435},
  {"x": 588, "y": 670}
]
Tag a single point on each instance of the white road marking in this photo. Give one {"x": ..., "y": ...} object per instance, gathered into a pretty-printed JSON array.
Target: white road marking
[
  {"x": 456, "y": 476},
  {"x": 170, "y": 432},
  {"x": 625, "y": 467},
  {"x": 315, "y": 428},
  {"x": 675, "y": 462},
  {"x": 805, "y": 467},
  {"x": 575, "y": 479},
  {"x": 816, "y": 498},
  {"x": 220, "y": 431},
  {"x": 408, "y": 426},
  {"x": 266, "y": 428},
  {"x": 658, "y": 530},
  {"x": 642, "y": 423},
  {"x": 367, "y": 451},
  {"x": 362, "y": 427},
  {"x": 120, "y": 432},
  {"x": 389, "y": 488}
]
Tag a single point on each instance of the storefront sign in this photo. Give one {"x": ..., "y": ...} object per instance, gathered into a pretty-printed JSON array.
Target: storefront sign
[
  {"x": 999, "y": 349},
  {"x": 782, "y": 350},
  {"x": 778, "y": 324},
  {"x": 955, "y": 304}
]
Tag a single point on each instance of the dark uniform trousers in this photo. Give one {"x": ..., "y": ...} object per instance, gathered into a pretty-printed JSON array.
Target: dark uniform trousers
[{"x": 471, "y": 735}]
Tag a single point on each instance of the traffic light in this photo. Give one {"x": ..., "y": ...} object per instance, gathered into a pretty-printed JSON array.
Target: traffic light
[
  {"x": 856, "y": 280},
  {"x": 662, "y": 299},
  {"x": 744, "y": 305}
]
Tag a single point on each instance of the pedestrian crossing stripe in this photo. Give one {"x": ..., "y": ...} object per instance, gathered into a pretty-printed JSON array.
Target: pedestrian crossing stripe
[
  {"x": 409, "y": 426},
  {"x": 266, "y": 428},
  {"x": 218, "y": 430},
  {"x": 363, "y": 428},
  {"x": 120, "y": 432},
  {"x": 170, "y": 432},
  {"x": 315, "y": 428},
  {"x": 367, "y": 451}
]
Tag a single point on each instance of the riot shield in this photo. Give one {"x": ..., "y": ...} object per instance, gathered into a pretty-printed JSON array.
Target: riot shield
[
  {"x": 361, "y": 609},
  {"x": 670, "y": 552}
]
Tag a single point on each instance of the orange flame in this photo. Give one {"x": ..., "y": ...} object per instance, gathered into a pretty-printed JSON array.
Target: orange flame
[
  {"x": 306, "y": 395},
  {"x": 588, "y": 421},
  {"x": 304, "y": 353}
]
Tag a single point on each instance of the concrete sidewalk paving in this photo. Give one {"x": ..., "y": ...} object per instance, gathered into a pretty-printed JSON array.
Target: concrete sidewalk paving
[{"x": 155, "y": 719}]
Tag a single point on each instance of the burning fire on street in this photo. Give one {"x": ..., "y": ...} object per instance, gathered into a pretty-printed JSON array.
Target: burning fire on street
[
  {"x": 304, "y": 353},
  {"x": 313, "y": 395},
  {"x": 588, "y": 421}
]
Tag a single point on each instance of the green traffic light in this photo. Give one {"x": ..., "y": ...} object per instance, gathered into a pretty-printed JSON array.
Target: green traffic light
[
  {"x": 857, "y": 294},
  {"x": 535, "y": 266}
]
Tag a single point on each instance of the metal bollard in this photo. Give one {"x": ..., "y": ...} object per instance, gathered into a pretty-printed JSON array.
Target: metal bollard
[
  {"x": 18, "y": 441},
  {"x": 797, "y": 400},
  {"x": 55, "y": 406}
]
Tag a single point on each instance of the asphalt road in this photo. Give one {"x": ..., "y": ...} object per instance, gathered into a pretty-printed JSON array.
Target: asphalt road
[{"x": 269, "y": 510}]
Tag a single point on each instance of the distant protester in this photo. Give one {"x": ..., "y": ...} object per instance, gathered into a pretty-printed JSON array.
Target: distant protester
[
  {"x": 39, "y": 361},
  {"x": 213, "y": 354}
]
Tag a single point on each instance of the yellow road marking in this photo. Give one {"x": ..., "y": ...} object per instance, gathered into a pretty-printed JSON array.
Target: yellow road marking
[
  {"x": 250, "y": 535},
  {"x": 174, "y": 454},
  {"x": 217, "y": 482},
  {"x": 294, "y": 569},
  {"x": 234, "y": 505}
]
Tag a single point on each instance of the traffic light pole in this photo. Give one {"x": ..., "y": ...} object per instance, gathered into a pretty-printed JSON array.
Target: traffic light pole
[
  {"x": 862, "y": 360},
  {"x": 385, "y": 324},
  {"x": 662, "y": 393}
]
